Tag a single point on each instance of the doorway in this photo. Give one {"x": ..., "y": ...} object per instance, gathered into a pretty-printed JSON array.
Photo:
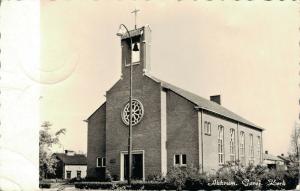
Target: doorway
[{"x": 137, "y": 165}]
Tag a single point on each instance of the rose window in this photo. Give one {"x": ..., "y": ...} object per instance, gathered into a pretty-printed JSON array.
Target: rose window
[{"x": 137, "y": 112}]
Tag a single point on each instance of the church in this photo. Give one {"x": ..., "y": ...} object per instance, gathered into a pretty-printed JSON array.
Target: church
[{"x": 170, "y": 126}]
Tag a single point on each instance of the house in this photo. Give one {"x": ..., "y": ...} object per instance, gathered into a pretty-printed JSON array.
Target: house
[
  {"x": 274, "y": 162},
  {"x": 287, "y": 159},
  {"x": 171, "y": 126},
  {"x": 70, "y": 165}
]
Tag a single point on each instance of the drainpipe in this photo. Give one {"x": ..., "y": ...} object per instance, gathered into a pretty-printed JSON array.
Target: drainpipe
[
  {"x": 238, "y": 143},
  {"x": 261, "y": 149},
  {"x": 202, "y": 165}
]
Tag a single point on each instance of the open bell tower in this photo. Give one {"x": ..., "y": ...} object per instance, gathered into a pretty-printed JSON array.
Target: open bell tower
[{"x": 139, "y": 54}]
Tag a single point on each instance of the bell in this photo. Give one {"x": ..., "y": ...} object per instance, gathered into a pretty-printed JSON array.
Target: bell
[{"x": 135, "y": 47}]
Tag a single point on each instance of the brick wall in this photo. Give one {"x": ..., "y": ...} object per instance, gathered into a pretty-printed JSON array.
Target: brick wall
[
  {"x": 182, "y": 129},
  {"x": 96, "y": 140},
  {"x": 146, "y": 135}
]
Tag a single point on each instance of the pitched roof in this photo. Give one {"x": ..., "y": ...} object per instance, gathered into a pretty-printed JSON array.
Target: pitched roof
[
  {"x": 76, "y": 159},
  {"x": 271, "y": 157},
  {"x": 205, "y": 104},
  {"x": 95, "y": 111},
  {"x": 285, "y": 158}
]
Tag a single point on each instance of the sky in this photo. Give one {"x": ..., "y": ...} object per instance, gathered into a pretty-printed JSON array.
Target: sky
[{"x": 246, "y": 51}]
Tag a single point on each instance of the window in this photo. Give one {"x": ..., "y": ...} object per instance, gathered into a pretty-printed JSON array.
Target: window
[
  {"x": 232, "y": 145},
  {"x": 78, "y": 174},
  {"x": 221, "y": 144},
  {"x": 183, "y": 159},
  {"x": 177, "y": 159},
  {"x": 135, "y": 55},
  {"x": 180, "y": 160},
  {"x": 259, "y": 148},
  {"x": 251, "y": 149},
  {"x": 207, "y": 128},
  {"x": 101, "y": 161},
  {"x": 68, "y": 174},
  {"x": 104, "y": 162},
  {"x": 242, "y": 147}
]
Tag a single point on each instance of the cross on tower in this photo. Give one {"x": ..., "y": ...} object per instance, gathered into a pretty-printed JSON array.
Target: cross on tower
[{"x": 135, "y": 13}]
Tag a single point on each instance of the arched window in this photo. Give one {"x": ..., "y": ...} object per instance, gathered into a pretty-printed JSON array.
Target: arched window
[
  {"x": 221, "y": 144},
  {"x": 251, "y": 149},
  {"x": 259, "y": 148},
  {"x": 232, "y": 145},
  {"x": 242, "y": 147}
]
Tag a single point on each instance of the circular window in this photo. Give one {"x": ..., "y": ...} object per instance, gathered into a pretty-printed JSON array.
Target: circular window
[{"x": 137, "y": 112}]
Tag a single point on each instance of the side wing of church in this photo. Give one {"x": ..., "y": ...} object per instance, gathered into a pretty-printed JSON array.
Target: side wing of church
[{"x": 171, "y": 126}]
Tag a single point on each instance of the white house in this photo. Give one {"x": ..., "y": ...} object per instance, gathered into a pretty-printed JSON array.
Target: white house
[{"x": 71, "y": 165}]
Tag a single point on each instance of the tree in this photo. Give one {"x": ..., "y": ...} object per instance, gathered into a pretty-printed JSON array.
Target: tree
[
  {"x": 47, "y": 162},
  {"x": 295, "y": 146}
]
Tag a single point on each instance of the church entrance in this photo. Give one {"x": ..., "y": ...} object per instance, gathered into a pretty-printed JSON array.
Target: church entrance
[{"x": 137, "y": 165}]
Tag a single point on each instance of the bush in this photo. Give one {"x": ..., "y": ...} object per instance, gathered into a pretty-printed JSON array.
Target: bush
[
  {"x": 273, "y": 180},
  {"x": 229, "y": 177},
  {"x": 185, "y": 177},
  {"x": 291, "y": 178},
  {"x": 44, "y": 185},
  {"x": 156, "y": 177},
  {"x": 108, "y": 177},
  {"x": 93, "y": 185},
  {"x": 136, "y": 185}
]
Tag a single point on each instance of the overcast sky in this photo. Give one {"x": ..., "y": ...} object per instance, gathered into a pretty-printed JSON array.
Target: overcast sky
[{"x": 246, "y": 51}]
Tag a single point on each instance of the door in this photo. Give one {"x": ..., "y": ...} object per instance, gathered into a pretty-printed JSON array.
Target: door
[
  {"x": 137, "y": 166},
  {"x": 68, "y": 175}
]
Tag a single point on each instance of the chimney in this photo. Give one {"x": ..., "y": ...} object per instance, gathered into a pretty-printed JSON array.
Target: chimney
[
  {"x": 266, "y": 152},
  {"x": 69, "y": 152},
  {"x": 216, "y": 99}
]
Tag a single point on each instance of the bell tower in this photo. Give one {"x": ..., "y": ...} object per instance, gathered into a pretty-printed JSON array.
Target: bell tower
[{"x": 139, "y": 54}]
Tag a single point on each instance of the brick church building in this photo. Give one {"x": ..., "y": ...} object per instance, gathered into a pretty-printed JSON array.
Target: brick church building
[{"x": 171, "y": 126}]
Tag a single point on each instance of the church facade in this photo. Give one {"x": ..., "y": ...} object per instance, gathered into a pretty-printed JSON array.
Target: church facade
[{"x": 171, "y": 126}]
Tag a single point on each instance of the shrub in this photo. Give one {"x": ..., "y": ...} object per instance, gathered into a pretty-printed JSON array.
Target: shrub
[
  {"x": 108, "y": 177},
  {"x": 273, "y": 180},
  {"x": 156, "y": 177},
  {"x": 185, "y": 177},
  {"x": 136, "y": 185},
  {"x": 233, "y": 176},
  {"x": 44, "y": 185},
  {"x": 93, "y": 185},
  {"x": 176, "y": 177},
  {"x": 291, "y": 178}
]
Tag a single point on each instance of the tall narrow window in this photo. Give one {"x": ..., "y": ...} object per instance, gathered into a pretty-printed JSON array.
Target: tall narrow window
[
  {"x": 183, "y": 159},
  {"x": 242, "y": 147},
  {"x": 251, "y": 149},
  {"x": 207, "y": 128},
  {"x": 221, "y": 144},
  {"x": 259, "y": 148},
  {"x": 177, "y": 160},
  {"x": 232, "y": 145}
]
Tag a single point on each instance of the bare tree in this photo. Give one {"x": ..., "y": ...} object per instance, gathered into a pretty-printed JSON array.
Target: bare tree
[{"x": 295, "y": 146}]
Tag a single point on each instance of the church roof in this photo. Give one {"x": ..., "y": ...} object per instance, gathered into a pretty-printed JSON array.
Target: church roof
[{"x": 205, "y": 104}]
